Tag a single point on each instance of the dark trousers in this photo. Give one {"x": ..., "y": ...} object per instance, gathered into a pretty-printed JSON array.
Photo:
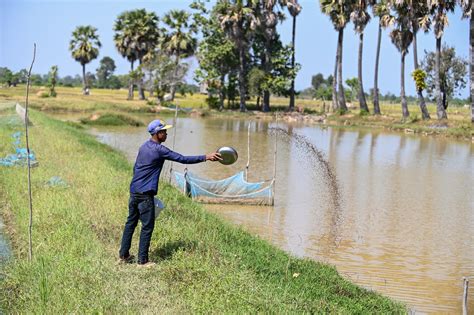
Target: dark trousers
[{"x": 140, "y": 207}]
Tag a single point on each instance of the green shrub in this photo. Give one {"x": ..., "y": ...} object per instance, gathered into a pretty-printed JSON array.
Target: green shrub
[
  {"x": 212, "y": 102},
  {"x": 112, "y": 119},
  {"x": 151, "y": 102},
  {"x": 363, "y": 113},
  {"x": 413, "y": 118},
  {"x": 308, "y": 111},
  {"x": 340, "y": 112}
]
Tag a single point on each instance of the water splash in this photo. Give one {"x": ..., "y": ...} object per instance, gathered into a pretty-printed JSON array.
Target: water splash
[{"x": 321, "y": 166}]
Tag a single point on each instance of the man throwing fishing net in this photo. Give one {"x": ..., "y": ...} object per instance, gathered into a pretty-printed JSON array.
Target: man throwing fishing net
[{"x": 144, "y": 186}]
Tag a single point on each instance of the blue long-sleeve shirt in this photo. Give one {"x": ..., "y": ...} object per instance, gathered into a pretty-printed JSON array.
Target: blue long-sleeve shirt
[{"x": 150, "y": 160}]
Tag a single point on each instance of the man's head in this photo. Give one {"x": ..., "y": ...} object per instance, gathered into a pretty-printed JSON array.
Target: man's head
[{"x": 157, "y": 129}]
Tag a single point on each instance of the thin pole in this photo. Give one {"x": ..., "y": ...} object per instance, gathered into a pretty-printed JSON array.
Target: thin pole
[
  {"x": 30, "y": 226},
  {"x": 274, "y": 160},
  {"x": 464, "y": 296},
  {"x": 175, "y": 120},
  {"x": 248, "y": 155},
  {"x": 185, "y": 188}
]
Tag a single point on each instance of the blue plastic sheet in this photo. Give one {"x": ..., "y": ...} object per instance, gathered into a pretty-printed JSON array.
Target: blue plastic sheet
[{"x": 20, "y": 157}]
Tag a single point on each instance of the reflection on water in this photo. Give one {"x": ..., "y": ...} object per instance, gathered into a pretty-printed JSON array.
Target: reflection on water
[{"x": 406, "y": 221}]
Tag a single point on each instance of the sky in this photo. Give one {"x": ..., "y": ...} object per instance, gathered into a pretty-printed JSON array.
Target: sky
[{"x": 50, "y": 23}]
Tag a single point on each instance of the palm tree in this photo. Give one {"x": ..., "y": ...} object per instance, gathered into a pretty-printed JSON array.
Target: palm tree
[
  {"x": 338, "y": 11},
  {"x": 84, "y": 47},
  {"x": 402, "y": 37},
  {"x": 360, "y": 17},
  {"x": 471, "y": 72},
  {"x": 439, "y": 10},
  {"x": 179, "y": 42},
  {"x": 268, "y": 20},
  {"x": 418, "y": 12},
  {"x": 237, "y": 19},
  {"x": 294, "y": 8},
  {"x": 468, "y": 9},
  {"x": 381, "y": 9},
  {"x": 136, "y": 34}
]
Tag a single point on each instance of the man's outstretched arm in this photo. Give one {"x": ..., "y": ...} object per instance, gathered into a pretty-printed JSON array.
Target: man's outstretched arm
[{"x": 192, "y": 159}]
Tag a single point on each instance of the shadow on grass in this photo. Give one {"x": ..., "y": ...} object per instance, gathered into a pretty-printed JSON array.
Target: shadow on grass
[{"x": 167, "y": 250}]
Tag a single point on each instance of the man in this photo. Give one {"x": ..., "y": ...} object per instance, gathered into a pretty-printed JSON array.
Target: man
[{"x": 144, "y": 186}]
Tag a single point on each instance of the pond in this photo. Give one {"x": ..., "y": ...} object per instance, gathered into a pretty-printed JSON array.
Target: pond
[{"x": 404, "y": 224}]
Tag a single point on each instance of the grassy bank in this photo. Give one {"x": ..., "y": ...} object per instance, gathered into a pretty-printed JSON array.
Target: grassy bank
[
  {"x": 111, "y": 119},
  {"x": 204, "y": 264},
  {"x": 70, "y": 100}
]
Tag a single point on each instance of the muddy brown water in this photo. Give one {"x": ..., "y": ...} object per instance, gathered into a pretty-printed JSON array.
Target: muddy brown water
[{"x": 403, "y": 224}]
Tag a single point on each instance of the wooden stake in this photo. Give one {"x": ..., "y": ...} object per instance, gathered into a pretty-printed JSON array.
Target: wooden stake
[
  {"x": 175, "y": 122},
  {"x": 248, "y": 155},
  {"x": 464, "y": 295},
  {"x": 274, "y": 161},
  {"x": 30, "y": 227}
]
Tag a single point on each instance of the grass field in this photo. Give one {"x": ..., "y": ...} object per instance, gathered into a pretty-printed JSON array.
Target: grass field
[
  {"x": 204, "y": 264},
  {"x": 113, "y": 102}
]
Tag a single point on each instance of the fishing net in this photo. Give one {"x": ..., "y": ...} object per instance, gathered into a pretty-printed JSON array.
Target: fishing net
[
  {"x": 232, "y": 190},
  {"x": 20, "y": 157}
]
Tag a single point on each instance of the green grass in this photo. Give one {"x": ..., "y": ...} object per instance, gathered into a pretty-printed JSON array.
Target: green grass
[
  {"x": 204, "y": 263},
  {"x": 112, "y": 119}
]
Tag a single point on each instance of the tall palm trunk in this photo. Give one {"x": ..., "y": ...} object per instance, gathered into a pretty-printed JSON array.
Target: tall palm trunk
[
  {"x": 471, "y": 52},
  {"x": 362, "y": 101},
  {"x": 376, "y": 74},
  {"x": 421, "y": 99},
  {"x": 341, "y": 97},
  {"x": 421, "y": 102},
  {"x": 141, "y": 90},
  {"x": 267, "y": 67},
  {"x": 242, "y": 66},
  {"x": 439, "y": 99},
  {"x": 151, "y": 91},
  {"x": 335, "y": 104},
  {"x": 221, "y": 92},
  {"x": 402, "y": 88},
  {"x": 85, "y": 90},
  {"x": 444, "y": 97},
  {"x": 130, "y": 84},
  {"x": 266, "y": 101},
  {"x": 291, "y": 107},
  {"x": 175, "y": 74}
]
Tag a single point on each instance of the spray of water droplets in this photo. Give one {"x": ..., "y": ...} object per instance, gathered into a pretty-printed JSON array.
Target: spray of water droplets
[{"x": 322, "y": 167}]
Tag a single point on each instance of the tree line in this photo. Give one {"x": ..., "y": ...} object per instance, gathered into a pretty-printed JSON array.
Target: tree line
[
  {"x": 453, "y": 75},
  {"x": 240, "y": 46},
  {"x": 405, "y": 18},
  {"x": 240, "y": 51},
  {"x": 103, "y": 78}
]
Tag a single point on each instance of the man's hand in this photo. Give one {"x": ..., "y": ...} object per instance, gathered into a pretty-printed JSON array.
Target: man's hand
[{"x": 214, "y": 156}]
